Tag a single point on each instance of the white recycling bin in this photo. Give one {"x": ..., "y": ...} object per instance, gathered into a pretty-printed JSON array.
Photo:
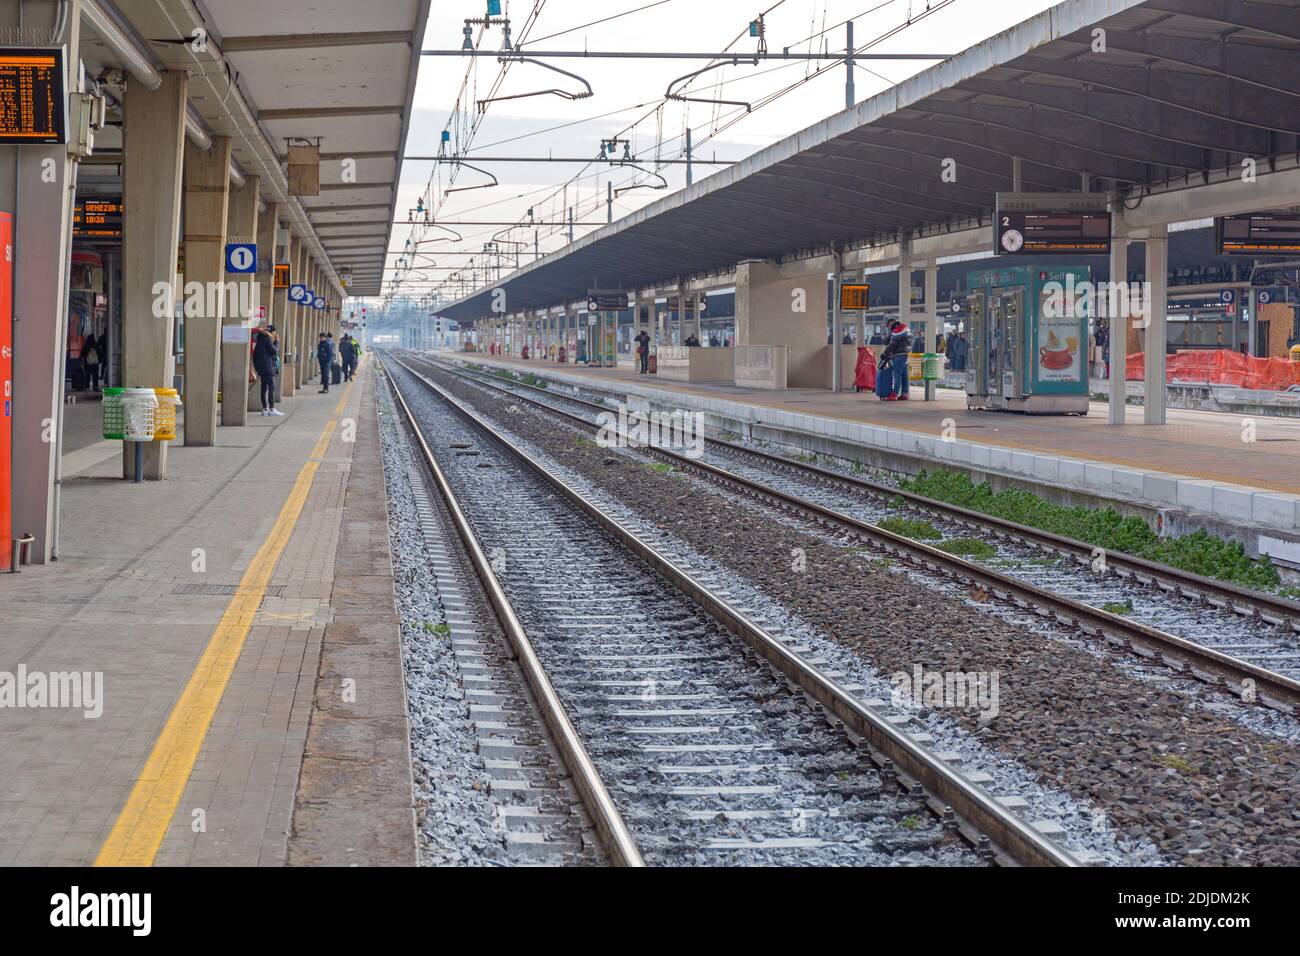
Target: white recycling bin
[{"x": 139, "y": 414}]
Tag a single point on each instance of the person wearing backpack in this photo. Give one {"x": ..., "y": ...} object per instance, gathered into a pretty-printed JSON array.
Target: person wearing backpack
[{"x": 90, "y": 358}]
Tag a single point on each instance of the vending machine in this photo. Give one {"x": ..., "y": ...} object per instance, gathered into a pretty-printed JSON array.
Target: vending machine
[{"x": 1028, "y": 334}]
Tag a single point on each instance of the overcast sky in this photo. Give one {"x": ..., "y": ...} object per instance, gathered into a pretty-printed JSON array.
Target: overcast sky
[{"x": 628, "y": 99}]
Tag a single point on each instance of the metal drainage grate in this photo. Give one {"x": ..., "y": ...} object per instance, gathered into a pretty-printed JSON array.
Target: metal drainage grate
[{"x": 220, "y": 590}]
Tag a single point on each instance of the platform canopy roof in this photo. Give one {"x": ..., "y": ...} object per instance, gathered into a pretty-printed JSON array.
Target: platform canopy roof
[
  {"x": 340, "y": 73},
  {"x": 1183, "y": 88}
]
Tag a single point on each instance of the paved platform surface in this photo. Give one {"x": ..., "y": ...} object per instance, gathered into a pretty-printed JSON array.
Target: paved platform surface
[
  {"x": 1193, "y": 444},
  {"x": 239, "y": 613}
]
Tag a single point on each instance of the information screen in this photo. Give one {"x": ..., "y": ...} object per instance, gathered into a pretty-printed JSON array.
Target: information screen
[
  {"x": 1259, "y": 234},
  {"x": 33, "y": 102},
  {"x": 1053, "y": 233},
  {"x": 855, "y": 296},
  {"x": 97, "y": 218}
]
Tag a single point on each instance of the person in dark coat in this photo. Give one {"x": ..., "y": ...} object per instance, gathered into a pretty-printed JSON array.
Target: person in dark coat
[
  {"x": 348, "y": 350},
  {"x": 92, "y": 356},
  {"x": 643, "y": 350},
  {"x": 325, "y": 359},
  {"x": 266, "y": 351},
  {"x": 894, "y": 358}
]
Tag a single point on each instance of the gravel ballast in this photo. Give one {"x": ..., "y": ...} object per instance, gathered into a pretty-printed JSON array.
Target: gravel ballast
[{"x": 1201, "y": 789}]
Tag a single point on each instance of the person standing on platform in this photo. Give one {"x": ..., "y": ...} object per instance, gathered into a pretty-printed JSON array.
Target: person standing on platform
[
  {"x": 265, "y": 353},
  {"x": 348, "y": 350},
  {"x": 643, "y": 350},
  {"x": 91, "y": 357},
  {"x": 894, "y": 359},
  {"x": 325, "y": 359}
]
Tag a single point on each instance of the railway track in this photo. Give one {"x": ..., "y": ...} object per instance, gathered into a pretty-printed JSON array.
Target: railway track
[
  {"x": 1241, "y": 640},
  {"x": 688, "y": 745}
]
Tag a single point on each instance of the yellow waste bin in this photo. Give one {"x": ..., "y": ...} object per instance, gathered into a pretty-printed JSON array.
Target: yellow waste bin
[{"x": 164, "y": 427}]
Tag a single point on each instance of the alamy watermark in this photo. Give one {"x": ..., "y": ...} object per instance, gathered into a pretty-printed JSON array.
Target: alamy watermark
[
  {"x": 1073, "y": 300},
  {"x": 946, "y": 690},
  {"x": 678, "y": 430},
  {"x": 74, "y": 690}
]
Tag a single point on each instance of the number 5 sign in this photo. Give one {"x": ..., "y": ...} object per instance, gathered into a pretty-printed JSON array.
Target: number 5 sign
[{"x": 241, "y": 258}]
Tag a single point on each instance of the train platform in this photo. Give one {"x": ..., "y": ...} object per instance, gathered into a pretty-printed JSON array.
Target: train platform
[
  {"x": 1226, "y": 468},
  {"x": 240, "y": 698}
]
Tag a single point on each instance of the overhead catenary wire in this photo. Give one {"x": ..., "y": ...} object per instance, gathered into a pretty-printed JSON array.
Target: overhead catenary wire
[
  {"x": 725, "y": 119},
  {"x": 631, "y": 128}
]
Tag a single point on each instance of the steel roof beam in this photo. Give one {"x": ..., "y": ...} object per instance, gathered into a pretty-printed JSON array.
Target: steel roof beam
[
  {"x": 835, "y": 171},
  {"x": 1264, "y": 67},
  {"x": 1080, "y": 135},
  {"x": 1266, "y": 18},
  {"x": 919, "y": 139},
  {"x": 849, "y": 200},
  {"x": 311, "y": 41},
  {"x": 919, "y": 174},
  {"x": 1204, "y": 94},
  {"x": 329, "y": 112},
  {"x": 1034, "y": 149},
  {"x": 759, "y": 207},
  {"x": 1133, "y": 115}
]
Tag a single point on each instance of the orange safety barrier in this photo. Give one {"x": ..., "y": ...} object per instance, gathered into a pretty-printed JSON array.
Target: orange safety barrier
[{"x": 1221, "y": 367}]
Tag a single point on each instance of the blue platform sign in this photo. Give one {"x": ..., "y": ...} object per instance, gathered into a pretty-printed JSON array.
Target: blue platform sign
[
  {"x": 241, "y": 258},
  {"x": 1228, "y": 296},
  {"x": 318, "y": 302},
  {"x": 298, "y": 293}
]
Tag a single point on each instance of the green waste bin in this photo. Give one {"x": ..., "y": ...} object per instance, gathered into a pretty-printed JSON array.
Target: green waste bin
[
  {"x": 114, "y": 421},
  {"x": 930, "y": 369}
]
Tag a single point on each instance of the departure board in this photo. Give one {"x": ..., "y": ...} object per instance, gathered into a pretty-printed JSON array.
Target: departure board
[
  {"x": 855, "y": 296},
  {"x": 33, "y": 102},
  {"x": 1259, "y": 234},
  {"x": 1053, "y": 232},
  {"x": 97, "y": 218}
]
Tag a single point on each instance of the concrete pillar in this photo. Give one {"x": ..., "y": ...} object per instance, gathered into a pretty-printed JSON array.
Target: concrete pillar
[
  {"x": 306, "y": 345},
  {"x": 311, "y": 319},
  {"x": 278, "y": 310},
  {"x": 775, "y": 309},
  {"x": 38, "y": 184},
  {"x": 207, "y": 192},
  {"x": 1117, "y": 308},
  {"x": 932, "y": 330},
  {"x": 268, "y": 227},
  {"x": 241, "y": 225},
  {"x": 153, "y": 138},
  {"x": 1157, "y": 276},
  {"x": 905, "y": 281},
  {"x": 837, "y": 320}
]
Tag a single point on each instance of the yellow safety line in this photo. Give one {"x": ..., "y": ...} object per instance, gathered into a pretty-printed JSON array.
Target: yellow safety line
[{"x": 142, "y": 825}]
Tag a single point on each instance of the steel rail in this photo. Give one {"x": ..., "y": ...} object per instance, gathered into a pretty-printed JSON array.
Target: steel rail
[
  {"x": 1271, "y": 689},
  {"x": 1016, "y": 838},
  {"x": 1188, "y": 584},
  {"x": 617, "y": 838}
]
